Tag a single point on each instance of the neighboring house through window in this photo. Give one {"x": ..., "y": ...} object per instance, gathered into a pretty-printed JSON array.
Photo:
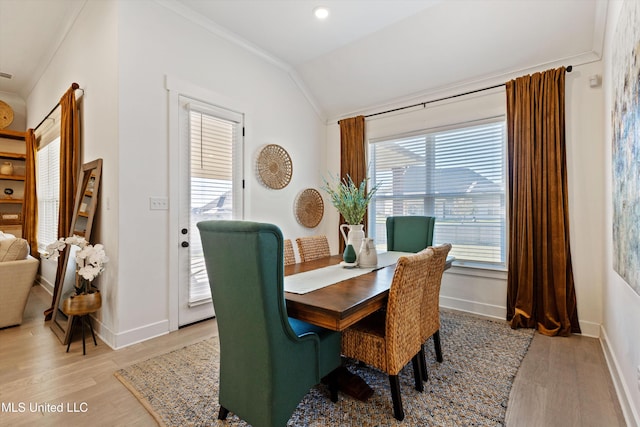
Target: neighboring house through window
[{"x": 456, "y": 174}]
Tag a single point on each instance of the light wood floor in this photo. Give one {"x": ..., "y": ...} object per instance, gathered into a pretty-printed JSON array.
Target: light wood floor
[{"x": 562, "y": 381}]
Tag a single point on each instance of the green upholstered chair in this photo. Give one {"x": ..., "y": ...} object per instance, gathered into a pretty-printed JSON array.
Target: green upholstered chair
[
  {"x": 268, "y": 362},
  {"x": 409, "y": 233}
]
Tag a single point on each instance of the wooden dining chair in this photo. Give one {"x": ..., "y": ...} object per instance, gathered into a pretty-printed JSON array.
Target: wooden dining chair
[
  {"x": 313, "y": 247},
  {"x": 389, "y": 339},
  {"x": 430, "y": 309},
  {"x": 289, "y": 255}
]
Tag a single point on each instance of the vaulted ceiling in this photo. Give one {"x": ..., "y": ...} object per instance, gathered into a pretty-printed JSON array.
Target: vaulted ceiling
[{"x": 366, "y": 53}]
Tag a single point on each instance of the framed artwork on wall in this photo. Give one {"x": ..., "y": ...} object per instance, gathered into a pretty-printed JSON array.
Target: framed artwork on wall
[{"x": 625, "y": 153}]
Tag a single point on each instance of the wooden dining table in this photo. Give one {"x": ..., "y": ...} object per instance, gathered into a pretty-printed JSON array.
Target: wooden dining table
[{"x": 341, "y": 304}]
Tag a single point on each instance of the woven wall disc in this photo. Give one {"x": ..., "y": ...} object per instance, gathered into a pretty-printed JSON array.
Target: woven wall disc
[
  {"x": 6, "y": 115},
  {"x": 309, "y": 208},
  {"x": 274, "y": 166}
]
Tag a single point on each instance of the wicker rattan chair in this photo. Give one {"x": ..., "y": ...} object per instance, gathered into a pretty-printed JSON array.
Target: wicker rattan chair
[
  {"x": 387, "y": 340},
  {"x": 312, "y": 247},
  {"x": 289, "y": 255},
  {"x": 430, "y": 309}
]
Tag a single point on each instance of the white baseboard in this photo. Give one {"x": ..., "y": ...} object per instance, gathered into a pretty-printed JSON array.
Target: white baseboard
[
  {"x": 130, "y": 337},
  {"x": 46, "y": 285},
  {"x": 124, "y": 339},
  {"x": 590, "y": 329},
  {"x": 630, "y": 413},
  {"x": 474, "y": 307}
]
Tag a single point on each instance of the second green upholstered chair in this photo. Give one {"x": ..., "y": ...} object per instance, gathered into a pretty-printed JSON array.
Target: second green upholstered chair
[
  {"x": 409, "y": 233},
  {"x": 268, "y": 362}
]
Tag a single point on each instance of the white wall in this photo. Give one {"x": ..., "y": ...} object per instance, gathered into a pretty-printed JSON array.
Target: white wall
[
  {"x": 585, "y": 178},
  {"x": 88, "y": 56},
  {"x": 483, "y": 291},
  {"x": 155, "y": 43},
  {"x": 621, "y": 305}
]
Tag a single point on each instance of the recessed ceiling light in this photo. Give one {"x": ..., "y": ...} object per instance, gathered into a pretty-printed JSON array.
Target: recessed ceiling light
[{"x": 321, "y": 12}]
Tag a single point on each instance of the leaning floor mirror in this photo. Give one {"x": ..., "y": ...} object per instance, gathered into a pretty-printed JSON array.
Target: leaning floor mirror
[{"x": 85, "y": 206}]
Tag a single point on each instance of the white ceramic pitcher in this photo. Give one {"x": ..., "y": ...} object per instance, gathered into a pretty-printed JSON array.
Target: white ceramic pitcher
[
  {"x": 354, "y": 237},
  {"x": 368, "y": 257}
]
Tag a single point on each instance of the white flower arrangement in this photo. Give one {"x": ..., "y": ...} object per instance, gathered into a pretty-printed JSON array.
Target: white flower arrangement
[{"x": 90, "y": 259}]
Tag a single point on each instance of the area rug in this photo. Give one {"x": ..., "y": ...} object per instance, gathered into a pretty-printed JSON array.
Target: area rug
[{"x": 470, "y": 388}]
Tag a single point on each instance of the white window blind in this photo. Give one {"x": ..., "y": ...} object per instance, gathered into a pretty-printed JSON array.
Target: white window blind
[
  {"x": 211, "y": 164},
  {"x": 456, "y": 175},
  {"x": 212, "y": 144},
  {"x": 48, "y": 190}
]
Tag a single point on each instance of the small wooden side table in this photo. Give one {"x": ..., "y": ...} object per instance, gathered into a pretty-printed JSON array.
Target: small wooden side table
[{"x": 78, "y": 308}]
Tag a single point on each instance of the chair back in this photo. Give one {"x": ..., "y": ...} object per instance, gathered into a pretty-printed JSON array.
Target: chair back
[
  {"x": 402, "y": 329},
  {"x": 313, "y": 247},
  {"x": 289, "y": 255},
  {"x": 265, "y": 368},
  {"x": 409, "y": 233},
  {"x": 430, "y": 309}
]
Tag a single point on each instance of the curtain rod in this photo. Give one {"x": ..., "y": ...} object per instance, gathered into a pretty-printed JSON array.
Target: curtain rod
[
  {"x": 569, "y": 68},
  {"x": 74, "y": 86}
]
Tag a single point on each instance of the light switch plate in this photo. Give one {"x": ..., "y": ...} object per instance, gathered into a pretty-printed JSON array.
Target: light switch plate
[{"x": 158, "y": 203}]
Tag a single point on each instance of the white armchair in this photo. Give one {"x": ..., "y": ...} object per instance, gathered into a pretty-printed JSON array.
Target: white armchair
[{"x": 17, "y": 273}]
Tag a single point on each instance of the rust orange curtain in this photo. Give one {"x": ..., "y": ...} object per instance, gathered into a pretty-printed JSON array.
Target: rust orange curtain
[
  {"x": 69, "y": 170},
  {"x": 69, "y": 158},
  {"x": 540, "y": 288},
  {"x": 30, "y": 198},
  {"x": 353, "y": 158}
]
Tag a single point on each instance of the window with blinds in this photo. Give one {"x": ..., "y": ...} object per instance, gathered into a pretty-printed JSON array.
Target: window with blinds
[
  {"x": 48, "y": 188},
  {"x": 456, "y": 175}
]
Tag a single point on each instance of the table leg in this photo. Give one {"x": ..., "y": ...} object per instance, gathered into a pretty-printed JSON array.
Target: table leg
[
  {"x": 83, "y": 320},
  {"x": 92, "y": 334},
  {"x": 73, "y": 320},
  {"x": 352, "y": 384}
]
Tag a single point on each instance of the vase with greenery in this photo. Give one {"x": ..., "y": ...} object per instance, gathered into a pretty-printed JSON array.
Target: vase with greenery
[{"x": 351, "y": 201}]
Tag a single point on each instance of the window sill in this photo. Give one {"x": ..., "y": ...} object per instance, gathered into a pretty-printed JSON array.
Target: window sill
[{"x": 478, "y": 270}]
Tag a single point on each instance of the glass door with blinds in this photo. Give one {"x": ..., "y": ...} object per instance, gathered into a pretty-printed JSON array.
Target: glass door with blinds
[
  {"x": 210, "y": 189},
  {"x": 456, "y": 175}
]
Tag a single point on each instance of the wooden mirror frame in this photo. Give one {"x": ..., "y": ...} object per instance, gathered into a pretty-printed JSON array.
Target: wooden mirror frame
[{"x": 84, "y": 210}]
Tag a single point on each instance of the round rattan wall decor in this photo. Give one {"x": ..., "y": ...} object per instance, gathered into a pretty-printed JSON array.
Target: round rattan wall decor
[
  {"x": 309, "y": 208},
  {"x": 274, "y": 166},
  {"x": 6, "y": 115}
]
